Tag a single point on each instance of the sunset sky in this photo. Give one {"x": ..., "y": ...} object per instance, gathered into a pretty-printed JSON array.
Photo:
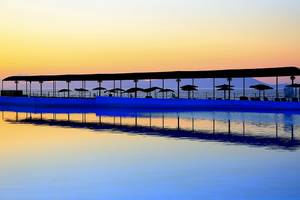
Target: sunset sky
[{"x": 100, "y": 36}]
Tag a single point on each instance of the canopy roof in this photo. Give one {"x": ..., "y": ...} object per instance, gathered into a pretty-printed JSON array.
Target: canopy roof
[{"x": 231, "y": 73}]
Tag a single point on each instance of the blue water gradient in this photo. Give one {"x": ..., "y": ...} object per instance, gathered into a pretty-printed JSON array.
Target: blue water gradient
[{"x": 80, "y": 158}]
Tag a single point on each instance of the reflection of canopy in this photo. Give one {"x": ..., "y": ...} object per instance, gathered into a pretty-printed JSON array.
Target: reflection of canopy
[
  {"x": 189, "y": 87},
  {"x": 81, "y": 90},
  {"x": 135, "y": 89},
  {"x": 261, "y": 87},
  {"x": 151, "y": 89},
  {"x": 99, "y": 88},
  {"x": 64, "y": 90},
  {"x": 235, "y": 136}
]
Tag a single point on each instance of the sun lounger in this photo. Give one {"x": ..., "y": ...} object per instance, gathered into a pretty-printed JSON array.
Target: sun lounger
[{"x": 243, "y": 98}]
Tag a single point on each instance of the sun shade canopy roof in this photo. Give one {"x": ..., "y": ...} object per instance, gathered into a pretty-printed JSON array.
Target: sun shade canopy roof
[{"x": 231, "y": 73}]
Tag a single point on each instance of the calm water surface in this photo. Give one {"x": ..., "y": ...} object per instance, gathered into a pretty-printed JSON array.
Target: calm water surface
[{"x": 133, "y": 155}]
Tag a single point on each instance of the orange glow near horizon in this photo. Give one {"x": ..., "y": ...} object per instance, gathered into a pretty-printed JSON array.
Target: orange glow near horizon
[{"x": 55, "y": 37}]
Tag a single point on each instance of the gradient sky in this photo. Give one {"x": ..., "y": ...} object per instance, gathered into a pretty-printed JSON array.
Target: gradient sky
[{"x": 87, "y": 36}]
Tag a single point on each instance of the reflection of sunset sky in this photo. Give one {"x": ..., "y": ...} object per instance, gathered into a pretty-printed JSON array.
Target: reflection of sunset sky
[
  {"x": 63, "y": 36},
  {"x": 51, "y": 162}
]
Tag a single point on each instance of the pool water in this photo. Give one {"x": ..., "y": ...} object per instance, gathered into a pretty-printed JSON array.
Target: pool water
[{"x": 137, "y": 155}]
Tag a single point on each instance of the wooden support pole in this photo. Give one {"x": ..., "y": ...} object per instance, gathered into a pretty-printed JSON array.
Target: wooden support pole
[
  {"x": 214, "y": 88},
  {"x": 178, "y": 88},
  {"x": 54, "y": 89},
  {"x": 163, "y": 87},
  {"x": 68, "y": 85},
  {"x": 26, "y": 88},
  {"x": 41, "y": 88},
  {"x": 193, "y": 92},
  {"x": 30, "y": 88},
  {"x": 121, "y": 87},
  {"x": 135, "y": 85},
  {"x": 277, "y": 90},
  {"x": 16, "y": 82},
  {"x": 244, "y": 87}
]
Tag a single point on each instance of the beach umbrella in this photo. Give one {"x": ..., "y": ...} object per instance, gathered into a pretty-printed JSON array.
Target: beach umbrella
[
  {"x": 224, "y": 88},
  {"x": 189, "y": 89},
  {"x": 64, "y": 91},
  {"x": 115, "y": 90},
  {"x": 99, "y": 89},
  {"x": 134, "y": 90},
  {"x": 81, "y": 90},
  {"x": 151, "y": 89},
  {"x": 166, "y": 91},
  {"x": 261, "y": 87}
]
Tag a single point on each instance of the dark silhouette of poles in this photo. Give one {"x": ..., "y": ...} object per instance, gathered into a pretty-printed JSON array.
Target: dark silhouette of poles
[
  {"x": 2, "y": 85},
  {"x": 178, "y": 122},
  {"x": 68, "y": 88},
  {"x": 277, "y": 91},
  {"x": 135, "y": 85},
  {"x": 163, "y": 87},
  {"x": 99, "y": 86},
  {"x": 64, "y": 91},
  {"x": 229, "y": 91},
  {"x": 214, "y": 88},
  {"x": 114, "y": 86},
  {"x": 26, "y": 89},
  {"x": 261, "y": 87},
  {"x": 189, "y": 89},
  {"x": 224, "y": 88},
  {"x": 54, "y": 89},
  {"x": 293, "y": 79},
  {"x": 244, "y": 87},
  {"x": 150, "y": 86},
  {"x": 178, "y": 88},
  {"x": 293, "y": 82},
  {"x": 16, "y": 82},
  {"x": 166, "y": 91},
  {"x": 121, "y": 93},
  {"x": 83, "y": 87},
  {"x": 30, "y": 88},
  {"x": 193, "y": 92},
  {"x": 41, "y": 88}
]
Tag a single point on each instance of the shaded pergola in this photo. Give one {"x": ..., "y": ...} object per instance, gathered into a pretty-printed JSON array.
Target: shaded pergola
[{"x": 275, "y": 72}]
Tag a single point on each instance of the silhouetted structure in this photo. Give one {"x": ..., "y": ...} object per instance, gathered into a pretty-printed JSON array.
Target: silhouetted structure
[{"x": 175, "y": 75}]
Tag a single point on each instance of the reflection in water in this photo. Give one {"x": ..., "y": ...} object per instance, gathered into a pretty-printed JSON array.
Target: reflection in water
[
  {"x": 224, "y": 128},
  {"x": 104, "y": 154}
]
